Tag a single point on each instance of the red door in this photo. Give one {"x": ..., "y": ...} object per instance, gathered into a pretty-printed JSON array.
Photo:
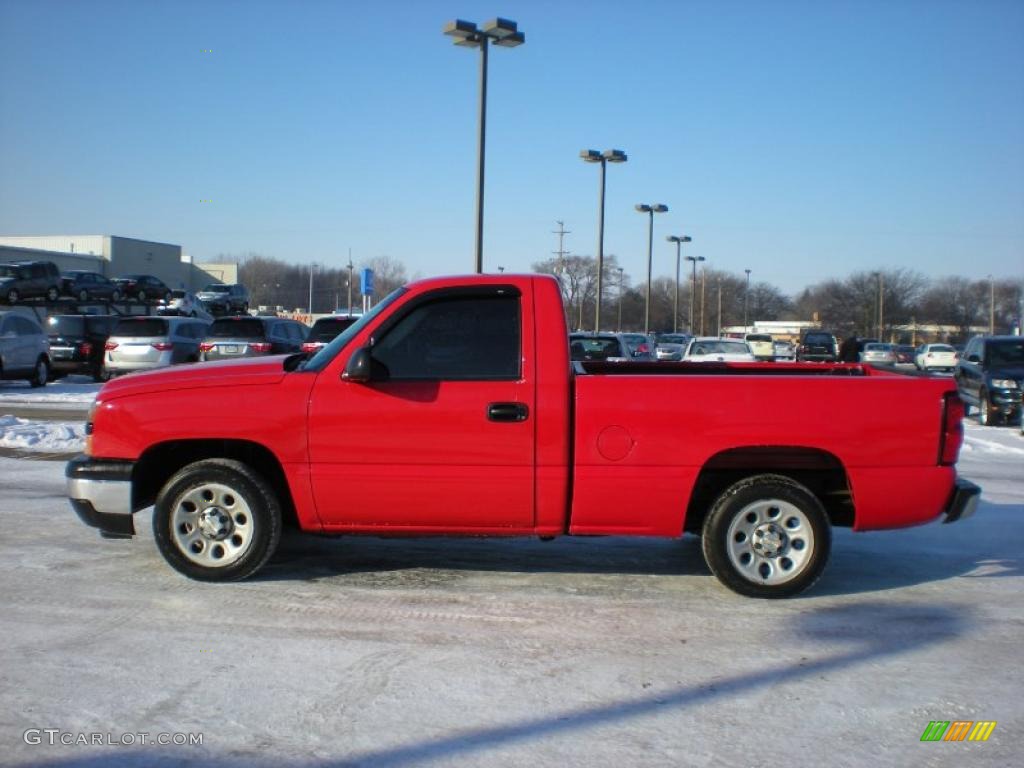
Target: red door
[{"x": 445, "y": 438}]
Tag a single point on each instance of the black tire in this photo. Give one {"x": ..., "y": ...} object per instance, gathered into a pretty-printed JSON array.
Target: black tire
[
  {"x": 13, "y": 296},
  {"x": 83, "y": 295},
  {"x": 41, "y": 373},
  {"x": 240, "y": 526},
  {"x": 52, "y": 294},
  {"x": 767, "y": 536},
  {"x": 141, "y": 296},
  {"x": 115, "y": 296},
  {"x": 98, "y": 375}
]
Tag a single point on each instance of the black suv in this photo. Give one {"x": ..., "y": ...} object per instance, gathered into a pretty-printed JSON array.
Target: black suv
[
  {"x": 225, "y": 299},
  {"x": 989, "y": 376},
  {"x": 76, "y": 343},
  {"x": 817, "y": 347},
  {"x": 29, "y": 279}
]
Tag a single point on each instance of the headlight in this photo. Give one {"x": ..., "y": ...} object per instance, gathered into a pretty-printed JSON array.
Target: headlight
[{"x": 1004, "y": 383}]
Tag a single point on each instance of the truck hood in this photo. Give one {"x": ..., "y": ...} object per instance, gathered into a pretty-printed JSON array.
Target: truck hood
[
  {"x": 228, "y": 373},
  {"x": 1006, "y": 372}
]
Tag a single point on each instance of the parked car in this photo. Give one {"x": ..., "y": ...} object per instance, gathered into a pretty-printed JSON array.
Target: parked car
[
  {"x": 711, "y": 349},
  {"x": 670, "y": 346},
  {"x": 931, "y": 357},
  {"x": 85, "y": 285},
  {"x": 817, "y": 347},
  {"x": 325, "y": 330},
  {"x": 905, "y": 354},
  {"x": 232, "y": 337},
  {"x": 784, "y": 351},
  {"x": 879, "y": 353},
  {"x": 29, "y": 280},
  {"x": 144, "y": 288},
  {"x": 225, "y": 299},
  {"x": 24, "y": 350},
  {"x": 609, "y": 347},
  {"x": 990, "y": 377},
  {"x": 185, "y": 304},
  {"x": 761, "y": 345},
  {"x": 77, "y": 343},
  {"x": 142, "y": 343}
]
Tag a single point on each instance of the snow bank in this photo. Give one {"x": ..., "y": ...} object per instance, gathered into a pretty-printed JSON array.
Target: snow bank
[
  {"x": 73, "y": 389},
  {"x": 44, "y": 436}
]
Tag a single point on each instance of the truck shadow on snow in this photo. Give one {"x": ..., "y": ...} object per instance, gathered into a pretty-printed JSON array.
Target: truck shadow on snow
[
  {"x": 986, "y": 546},
  {"x": 828, "y": 640}
]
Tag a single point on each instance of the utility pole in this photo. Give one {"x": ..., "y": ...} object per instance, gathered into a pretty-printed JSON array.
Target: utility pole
[
  {"x": 703, "y": 280},
  {"x": 991, "y": 306},
  {"x": 719, "y": 334},
  {"x": 350, "y": 268},
  {"x": 561, "y": 253}
]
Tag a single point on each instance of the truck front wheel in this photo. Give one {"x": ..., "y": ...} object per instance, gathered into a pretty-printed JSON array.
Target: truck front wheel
[
  {"x": 217, "y": 520},
  {"x": 767, "y": 536}
]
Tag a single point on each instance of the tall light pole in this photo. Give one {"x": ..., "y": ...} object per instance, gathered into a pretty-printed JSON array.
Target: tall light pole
[
  {"x": 618, "y": 325},
  {"x": 678, "y": 240},
  {"x": 465, "y": 33},
  {"x": 650, "y": 210},
  {"x": 693, "y": 285},
  {"x": 703, "y": 280},
  {"x": 881, "y": 304},
  {"x": 350, "y": 267},
  {"x": 608, "y": 156},
  {"x": 311, "y": 268},
  {"x": 719, "y": 334},
  {"x": 746, "y": 300}
]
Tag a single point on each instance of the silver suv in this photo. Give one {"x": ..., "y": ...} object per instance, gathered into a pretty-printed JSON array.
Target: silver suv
[
  {"x": 142, "y": 343},
  {"x": 24, "y": 348}
]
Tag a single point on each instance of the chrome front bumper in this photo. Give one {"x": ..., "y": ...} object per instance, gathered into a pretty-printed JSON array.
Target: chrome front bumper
[{"x": 100, "y": 492}]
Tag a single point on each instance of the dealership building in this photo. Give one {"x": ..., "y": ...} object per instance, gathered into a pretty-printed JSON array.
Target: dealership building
[{"x": 113, "y": 256}]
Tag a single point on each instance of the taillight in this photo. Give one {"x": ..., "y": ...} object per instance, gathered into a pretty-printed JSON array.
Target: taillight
[
  {"x": 163, "y": 346},
  {"x": 110, "y": 345},
  {"x": 952, "y": 429},
  {"x": 85, "y": 348},
  {"x": 642, "y": 349},
  {"x": 310, "y": 346},
  {"x": 206, "y": 346},
  {"x": 260, "y": 346}
]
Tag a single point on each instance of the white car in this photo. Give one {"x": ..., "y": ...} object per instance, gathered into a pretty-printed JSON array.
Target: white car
[
  {"x": 711, "y": 349},
  {"x": 935, "y": 357},
  {"x": 185, "y": 304}
]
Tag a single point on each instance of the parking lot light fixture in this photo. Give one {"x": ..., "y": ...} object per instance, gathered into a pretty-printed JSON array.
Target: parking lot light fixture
[
  {"x": 678, "y": 240},
  {"x": 594, "y": 156},
  {"x": 504, "y": 33},
  {"x": 693, "y": 285},
  {"x": 650, "y": 210}
]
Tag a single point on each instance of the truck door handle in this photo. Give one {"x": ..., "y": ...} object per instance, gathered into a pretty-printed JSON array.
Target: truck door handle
[{"x": 507, "y": 412}]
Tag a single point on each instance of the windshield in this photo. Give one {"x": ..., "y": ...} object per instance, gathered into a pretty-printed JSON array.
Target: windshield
[
  {"x": 66, "y": 325},
  {"x": 817, "y": 338},
  {"x": 216, "y": 288},
  {"x": 594, "y": 348},
  {"x": 720, "y": 347},
  {"x": 326, "y": 354},
  {"x": 326, "y": 328},
  {"x": 141, "y": 326},
  {"x": 1008, "y": 352},
  {"x": 758, "y": 337},
  {"x": 236, "y": 328}
]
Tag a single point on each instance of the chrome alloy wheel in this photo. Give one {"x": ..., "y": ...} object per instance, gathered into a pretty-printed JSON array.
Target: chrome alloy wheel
[
  {"x": 212, "y": 525},
  {"x": 770, "y": 541}
]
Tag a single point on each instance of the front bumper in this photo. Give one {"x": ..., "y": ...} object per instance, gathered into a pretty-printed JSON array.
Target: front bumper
[
  {"x": 962, "y": 502},
  {"x": 100, "y": 492}
]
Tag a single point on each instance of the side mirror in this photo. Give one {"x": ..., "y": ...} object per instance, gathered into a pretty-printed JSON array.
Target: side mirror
[{"x": 359, "y": 367}]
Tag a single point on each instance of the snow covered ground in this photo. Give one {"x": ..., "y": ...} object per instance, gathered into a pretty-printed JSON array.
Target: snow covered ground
[
  {"x": 577, "y": 652},
  {"x": 70, "y": 392}
]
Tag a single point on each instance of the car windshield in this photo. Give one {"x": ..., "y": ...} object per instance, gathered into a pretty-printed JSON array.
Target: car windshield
[
  {"x": 141, "y": 326},
  {"x": 758, "y": 337},
  {"x": 65, "y": 325},
  {"x": 877, "y": 347},
  {"x": 236, "y": 328},
  {"x": 594, "y": 348},
  {"x": 672, "y": 338},
  {"x": 719, "y": 347},
  {"x": 817, "y": 338},
  {"x": 941, "y": 348},
  {"x": 326, "y": 328},
  {"x": 1009, "y": 352},
  {"x": 216, "y": 288}
]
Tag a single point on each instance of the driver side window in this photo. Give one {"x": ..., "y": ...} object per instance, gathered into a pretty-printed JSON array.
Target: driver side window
[{"x": 466, "y": 338}]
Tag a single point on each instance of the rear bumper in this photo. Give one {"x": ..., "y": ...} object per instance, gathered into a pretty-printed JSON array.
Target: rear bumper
[
  {"x": 100, "y": 492},
  {"x": 962, "y": 502}
]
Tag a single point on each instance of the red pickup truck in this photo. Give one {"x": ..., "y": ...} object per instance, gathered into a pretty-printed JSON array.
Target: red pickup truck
[{"x": 452, "y": 408}]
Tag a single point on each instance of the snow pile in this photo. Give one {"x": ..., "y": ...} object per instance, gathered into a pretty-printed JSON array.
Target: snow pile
[
  {"x": 981, "y": 441},
  {"x": 76, "y": 390},
  {"x": 44, "y": 436}
]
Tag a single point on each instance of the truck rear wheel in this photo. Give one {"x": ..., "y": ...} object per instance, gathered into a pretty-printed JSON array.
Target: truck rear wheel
[
  {"x": 217, "y": 520},
  {"x": 767, "y": 536}
]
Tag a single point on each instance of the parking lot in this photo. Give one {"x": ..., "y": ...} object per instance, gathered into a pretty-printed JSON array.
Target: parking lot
[{"x": 366, "y": 651}]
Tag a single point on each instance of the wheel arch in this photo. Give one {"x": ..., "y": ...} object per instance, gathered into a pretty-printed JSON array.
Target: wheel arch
[
  {"x": 162, "y": 461},
  {"x": 820, "y": 471}
]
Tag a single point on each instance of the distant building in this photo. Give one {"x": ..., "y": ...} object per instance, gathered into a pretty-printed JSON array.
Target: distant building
[{"x": 114, "y": 256}]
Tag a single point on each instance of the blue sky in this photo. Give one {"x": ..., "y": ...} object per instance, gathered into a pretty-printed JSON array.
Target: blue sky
[{"x": 802, "y": 140}]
